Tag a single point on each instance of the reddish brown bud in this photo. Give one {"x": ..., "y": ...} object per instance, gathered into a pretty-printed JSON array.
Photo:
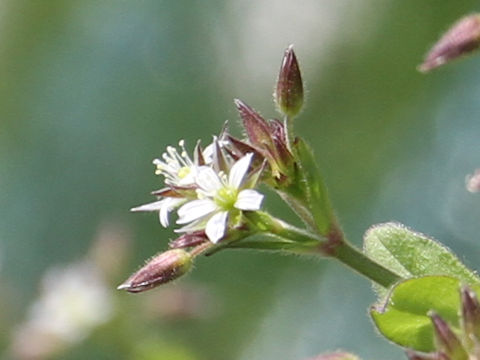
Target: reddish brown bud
[
  {"x": 258, "y": 130},
  {"x": 282, "y": 154},
  {"x": 162, "y": 268},
  {"x": 461, "y": 39},
  {"x": 219, "y": 161},
  {"x": 447, "y": 342},
  {"x": 289, "y": 90},
  {"x": 198, "y": 155},
  {"x": 189, "y": 240},
  {"x": 470, "y": 315},
  {"x": 266, "y": 137}
]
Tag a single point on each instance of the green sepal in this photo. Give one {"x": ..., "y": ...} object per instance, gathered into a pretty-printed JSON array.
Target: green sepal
[
  {"x": 411, "y": 254},
  {"x": 403, "y": 317},
  {"x": 313, "y": 187}
]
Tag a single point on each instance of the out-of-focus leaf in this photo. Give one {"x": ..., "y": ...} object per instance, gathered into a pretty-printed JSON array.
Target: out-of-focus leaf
[
  {"x": 403, "y": 317},
  {"x": 155, "y": 349}
]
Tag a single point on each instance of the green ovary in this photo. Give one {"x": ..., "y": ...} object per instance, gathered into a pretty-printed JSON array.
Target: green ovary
[
  {"x": 226, "y": 197},
  {"x": 183, "y": 172}
]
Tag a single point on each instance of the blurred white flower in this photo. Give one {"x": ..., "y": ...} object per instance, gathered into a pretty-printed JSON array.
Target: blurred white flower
[
  {"x": 472, "y": 182},
  {"x": 72, "y": 302}
]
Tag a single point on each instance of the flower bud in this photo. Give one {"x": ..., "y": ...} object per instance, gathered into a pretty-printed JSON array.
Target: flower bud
[
  {"x": 447, "y": 342},
  {"x": 462, "y": 38},
  {"x": 162, "y": 268},
  {"x": 470, "y": 315},
  {"x": 189, "y": 239},
  {"x": 289, "y": 91},
  {"x": 256, "y": 127}
]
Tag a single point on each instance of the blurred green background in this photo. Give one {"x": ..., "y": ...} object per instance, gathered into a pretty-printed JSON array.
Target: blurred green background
[{"x": 92, "y": 91}]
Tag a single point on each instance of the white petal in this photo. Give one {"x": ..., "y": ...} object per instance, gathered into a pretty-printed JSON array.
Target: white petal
[
  {"x": 208, "y": 180},
  {"x": 249, "y": 200},
  {"x": 154, "y": 206},
  {"x": 193, "y": 226},
  {"x": 239, "y": 170},
  {"x": 163, "y": 216},
  {"x": 216, "y": 226},
  {"x": 208, "y": 154},
  {"x": 195, "y": 210},
  {"x": 170, "y": 204}
]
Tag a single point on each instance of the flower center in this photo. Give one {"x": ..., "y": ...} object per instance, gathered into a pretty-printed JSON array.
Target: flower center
[
  {"x": 226, "y": 198},
  {"x": 183, "y": 172}
]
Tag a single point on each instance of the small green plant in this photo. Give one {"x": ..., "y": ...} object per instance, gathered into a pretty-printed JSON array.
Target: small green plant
[{"x": 427, "y": 299}]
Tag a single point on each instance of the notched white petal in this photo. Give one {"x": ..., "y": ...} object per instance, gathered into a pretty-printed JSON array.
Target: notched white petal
[
  {"x": 239, "y": 170},
  {"x": 249, "y": 199},
  {"x": 216, "y": 226},
  {"x": 195, "y": 210}
]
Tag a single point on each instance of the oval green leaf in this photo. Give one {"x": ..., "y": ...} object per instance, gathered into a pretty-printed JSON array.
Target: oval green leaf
[{"x": 411, "y": 254}]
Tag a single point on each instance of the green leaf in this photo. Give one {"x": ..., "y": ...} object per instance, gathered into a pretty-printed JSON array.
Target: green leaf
[
  {"x": 403, "y": 317},
  {"x": 313, "y": 187},
  {"x": 411, "y": 254}
]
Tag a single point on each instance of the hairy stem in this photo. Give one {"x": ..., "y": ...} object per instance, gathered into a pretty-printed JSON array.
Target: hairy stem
[
  {"x": 289, "y": 134},
  {"x": 333, "y": 246},
  {"x": 356, "y": 260}
]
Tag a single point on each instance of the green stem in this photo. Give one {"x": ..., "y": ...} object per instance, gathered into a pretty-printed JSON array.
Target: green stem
[
  {"x": 289, "y": 134},
  {"x": 265, "y": 223},
  {"x": 348, "y": 255},
  {"x": 334, "y": 246}
]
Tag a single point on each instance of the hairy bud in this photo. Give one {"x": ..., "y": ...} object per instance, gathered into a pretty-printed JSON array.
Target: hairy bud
[
  {"x": 189, "y": 240},
  {"x": 447, "y": 342},
  {"x": 162, "y": 268},
  {"x": 461, "y": 39},
  {"x": 289, "y": 89}
]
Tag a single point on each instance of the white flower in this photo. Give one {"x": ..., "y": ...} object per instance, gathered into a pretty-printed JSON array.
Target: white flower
[
  {"x": 177, "y": 168},
  {"x": 219, "y": 196}
]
